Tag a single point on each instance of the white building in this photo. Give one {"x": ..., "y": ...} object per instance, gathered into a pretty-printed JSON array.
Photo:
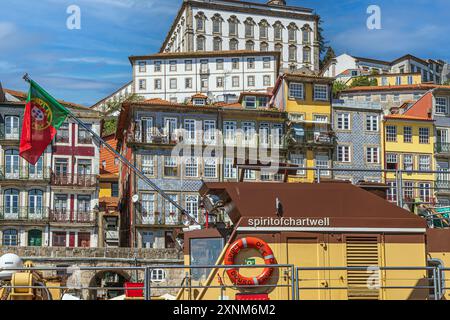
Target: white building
[
  {"x": 346, "y": 66},
  {"x": 216, "y": 25},
  {"x": 221, "y": 76}
]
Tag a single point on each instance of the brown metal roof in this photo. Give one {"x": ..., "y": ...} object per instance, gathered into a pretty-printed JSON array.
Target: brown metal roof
[{"x": 346, "y": 205}]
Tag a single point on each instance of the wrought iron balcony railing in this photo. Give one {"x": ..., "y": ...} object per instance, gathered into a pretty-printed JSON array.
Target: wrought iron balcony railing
[
  {"x": 157, "y": 218},
  {"x": 74, "y": 180},
  {"x": 12, "y": 213},
  {"x": 11, "y": 135},
  {"x": 67, "y": 216},
  {"x": 24, "y": 173},
  {"x": 326, "y": 138},
  {"x": 442, "y": 148}
]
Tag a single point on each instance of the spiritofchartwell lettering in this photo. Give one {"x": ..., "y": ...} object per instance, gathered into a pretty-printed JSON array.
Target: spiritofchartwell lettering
[{"x": 289, "y": 222}]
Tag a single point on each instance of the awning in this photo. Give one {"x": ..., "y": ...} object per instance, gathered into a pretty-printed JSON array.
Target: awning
[{"x": 299, "y": 131}]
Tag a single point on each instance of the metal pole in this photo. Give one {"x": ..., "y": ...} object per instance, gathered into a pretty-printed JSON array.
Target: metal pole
[
  {"x": 123, "y": 160},
  {"x": 146, "y": 284}
]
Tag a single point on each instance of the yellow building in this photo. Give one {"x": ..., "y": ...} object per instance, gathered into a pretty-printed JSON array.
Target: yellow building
[
  {"x": 408, "y": 145},
  {"x": 307, "y": 100},
  {"x": 393, "y": 79}
]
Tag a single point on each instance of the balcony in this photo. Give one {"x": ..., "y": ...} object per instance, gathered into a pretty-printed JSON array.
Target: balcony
[
  {"x": 74, "y": 180},
  {"x": 442, "y": 149},
  {"x": 158, "y": 219},
  {"x": 443, "y": 186},
  {"x": 24, "y": 173},
  {"x": 24, "y": 214},
  {"x": 318, "y": 138},
  {"x": 13, "y": 136},
  {"x": 65, "y": 216},
  {"x": 151, "y": 138}
]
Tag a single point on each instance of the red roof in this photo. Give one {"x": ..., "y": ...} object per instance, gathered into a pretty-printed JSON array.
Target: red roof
[{"x": 423, "y": 107}]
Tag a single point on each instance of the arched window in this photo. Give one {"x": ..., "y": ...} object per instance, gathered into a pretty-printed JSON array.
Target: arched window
[
  {"x": 278, "y": 31},
  {"x": 200, "y": 22},
  {"x": 306, "y": 55},
  {"x": 35, "y": 238},
  {"x": 35, "y": 204},
  {"x": 292, "y": 32},
  {"x": 234, "y": 44},
  {"x": 12, "y": 164},
  {"x": 249, "y": 28},
  {"x": 217, "y": 44},
  {"x": 264, "y": 47},
  {"x": 250, "y": 45},
  {"x": 279, "y": 47},
  {"x": 264, "y": 30},
  {"x": 292, "y": 53},
  {"x": 10, "y": 238},
  {"x": 233, "y": 26},
  {"x": 11, "y": 203},
  {"x": 200, "y": 43},
  {"x": 306, "y": 34},
  {"x": 217, "y": 23}
]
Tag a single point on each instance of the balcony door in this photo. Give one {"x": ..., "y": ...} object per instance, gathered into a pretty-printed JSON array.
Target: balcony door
[
  {"x": 61, "y": 211},
  {"x": 35, "y": 204},
  {"x": 443, "y": 140},
  {"x": 12, "y": 128},
  {"x": 11, "y": 201},
  {"x": 170, "y": 127},
  {"x": 61, "y": 171},
  {"x": 84, "y": 169},
  {"x": 147, "y": 127},
  {"x": 148, "y": 208},
  {"x": 36, "y": 171},
  {"x": 12, "y": 164},
  {"x": 83, "y": 208}
]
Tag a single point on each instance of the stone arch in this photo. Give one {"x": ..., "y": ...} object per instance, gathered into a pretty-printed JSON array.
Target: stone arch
[{"x": 118, "y": 278}]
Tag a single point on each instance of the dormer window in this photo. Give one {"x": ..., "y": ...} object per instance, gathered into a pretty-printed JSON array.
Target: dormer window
[
  {"x": 250, "y": 102},
  {"x": 199, "y": 102}
]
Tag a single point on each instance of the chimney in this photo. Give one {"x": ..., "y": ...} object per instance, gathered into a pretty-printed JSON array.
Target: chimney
[{"x": 276, "y": 2}]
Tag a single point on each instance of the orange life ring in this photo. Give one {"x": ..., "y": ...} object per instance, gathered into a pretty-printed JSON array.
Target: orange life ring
[{"x": 265, "y": 251}]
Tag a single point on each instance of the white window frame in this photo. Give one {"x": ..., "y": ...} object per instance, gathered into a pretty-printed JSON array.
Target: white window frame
[{"x": 319, "y": 93}]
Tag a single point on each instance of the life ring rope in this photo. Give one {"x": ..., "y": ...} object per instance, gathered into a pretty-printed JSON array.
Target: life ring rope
[{"x": 246, "y": 243}]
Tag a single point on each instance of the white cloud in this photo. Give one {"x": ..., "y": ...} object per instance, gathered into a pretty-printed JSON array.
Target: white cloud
[{"x": 7, "y": 29}]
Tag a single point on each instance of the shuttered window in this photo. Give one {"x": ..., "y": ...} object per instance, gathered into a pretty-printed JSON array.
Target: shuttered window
[{"x": 362, "y": 251}]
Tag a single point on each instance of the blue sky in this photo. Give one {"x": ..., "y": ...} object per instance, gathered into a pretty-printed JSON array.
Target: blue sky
[{"x": 85, "y": 65}]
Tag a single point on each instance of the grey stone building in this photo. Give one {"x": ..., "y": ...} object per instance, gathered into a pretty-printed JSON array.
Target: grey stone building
[{"x": 358, "y": 132}]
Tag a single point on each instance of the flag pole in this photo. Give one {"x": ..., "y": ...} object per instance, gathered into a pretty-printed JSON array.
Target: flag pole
[{"x": 126, "y": 162}]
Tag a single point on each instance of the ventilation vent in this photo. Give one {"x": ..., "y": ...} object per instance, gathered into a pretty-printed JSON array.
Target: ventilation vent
[{"x": 361, "y": 252}]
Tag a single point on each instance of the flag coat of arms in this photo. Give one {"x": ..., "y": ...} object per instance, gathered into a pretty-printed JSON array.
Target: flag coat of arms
[{"x": 43, "y": 116}]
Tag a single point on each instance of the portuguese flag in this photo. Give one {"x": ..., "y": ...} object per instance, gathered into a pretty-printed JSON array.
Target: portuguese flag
[{"x": 43, "y": 117}]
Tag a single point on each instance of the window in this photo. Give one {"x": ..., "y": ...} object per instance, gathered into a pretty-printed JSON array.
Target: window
[
  {"x": 229, "y": 132},
  {"x": 278, "y": 31},
  {"x": 343, "y": 154},
  {"x": 10, "y": 238},
  {"x": 424, "y": 135},
  {"x": 441, "y": 105},
  {"x": 200, "y": 22},
  {"x": 410, "y": 80},
  {"x": 210, "y": 168},
  {"x": 219, "y": 64},
  {"x": 298, "y": 160},
  {"x": 425, "y": 192},
  {"x": 35, "y": 238},
  {"x": 84, "y": 137},
  {"x": 35, "y": 203},
  {"x": 217, "y": 44},
  {"x": 229, "y": 171},
  {"x": 249, "y": 28},
  {"x": 173, "y": 83},
  {"x": 173, "y": 66},
  {"x": 384, "y": 81},
  {"x": 148, "y": 239},
  {"x": 219, "y": 82},
  {"x": 157, "y": 275},
  {"x": 398, "y": 81},
  {"x": 343, "y": 121},
  {"x": 217, "y": 24},
  {"x": 188, "y": 65},
  {"x": 199, "y": 101},
  {"x": 59, "y": 239},
  {"x": 142, "y": 66},
  {"x": 306, "y": 55},
  {"x": 383, "y": 97},
  {"x": 158, "y": 84},
  {"x": 235, "y": 81},
  {"x": 396, "y": 97},
  {"x": 170, "y": 129},
  {"x": 157, "y": 66},
  {"x": 35, "y": 172},
  {"x": 233, "y": 26},
  {"x": 322, "y": 162},
  {"x": 249, "y": 45},
  {"x": 264, "y": 47},
  {"x": 191, "y": 167},
  {"x": 292, "y": 33},
  {"x": 391, "y": 161},
  {"x": 391, "y": 133},
  {"x": 249, "y": 131},
  {"x": 251, "y": 63},
  {"x": 264, "y": 132},
  {"x": 62, "y": 135},
  {"x": 279, "y": 47},
  {"x": 277, "y": 135},
  {"x": 250, "y": 102},
  {"x": 83, "y": 204},
  {"x": 267, "y": 82},
  {"x": 407, "y": 134},
  {"x": 142, "y": 84},
  {"x": 408, "y": 190},
  {"x": 188, "y": 83},
  {"x": 424, "y": 163},
  {"x": 209, "y": 128},
  {"x": 408, "y": 162},
  {"x": 293, "y": 53},
  {"x": 235, "y": 64},
  {"x": 114, "y": 189},
  {"x": 266, "y": 63},
  {"x": 12, "y": 128},
  {"x": 249, "y": 175},
  {"x": 148, "y": 165},
  {"x": 251, "y": 81},
  {"x": 170, "y": 166},
  {"x": 296, "y": 90},
  {"x": 392, "y": 191},
  {"x": 234, "y": 44},
  {"x": 189, "y": 131},
  {"x": 263, "y": 29},
  {"x": 372, "y": 155},
  {"x": 372, "y": 123},
  {"x": 306, "y": 34},
  {"x": 148, "y": 208},
  {"x": 192, "y": 206},
  {"x": 200, "y": 43},
  {"x": 11, "y": 203}
]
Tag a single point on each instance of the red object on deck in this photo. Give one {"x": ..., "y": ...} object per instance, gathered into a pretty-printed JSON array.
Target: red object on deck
[
  {"x": 131, "y": 292},
  {"x": 254, "y": 297}
]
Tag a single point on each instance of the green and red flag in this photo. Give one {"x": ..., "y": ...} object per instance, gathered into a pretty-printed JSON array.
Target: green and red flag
[{"x": 42, "y": 119}]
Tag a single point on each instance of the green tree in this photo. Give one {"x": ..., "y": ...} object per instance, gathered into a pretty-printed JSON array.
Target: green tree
[
  {"x": 112, "y": 107},
  {"x": 363, "y": 81},
  {"x": 338, "y": 87},
  {"x": 447, "y": 83},
  {"x": 328, "y": 56}
]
